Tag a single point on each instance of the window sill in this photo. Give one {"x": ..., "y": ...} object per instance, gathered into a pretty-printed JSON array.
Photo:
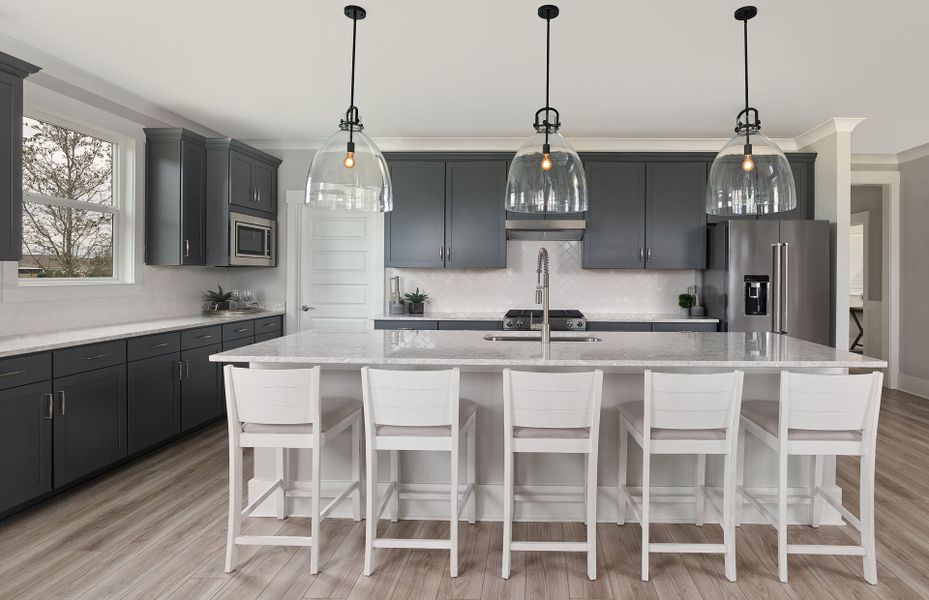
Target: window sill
[{"x": 73, "y": 290}]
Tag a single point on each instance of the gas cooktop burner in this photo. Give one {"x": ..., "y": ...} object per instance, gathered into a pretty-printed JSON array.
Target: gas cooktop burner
[{"x": 531, "y": 319}]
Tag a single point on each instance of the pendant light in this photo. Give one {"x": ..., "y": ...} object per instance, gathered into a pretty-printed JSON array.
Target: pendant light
[
  {"x": 546, "y": 175},
  {"x": 750, "y": 175},
  {"x": 348, "y": 171}
]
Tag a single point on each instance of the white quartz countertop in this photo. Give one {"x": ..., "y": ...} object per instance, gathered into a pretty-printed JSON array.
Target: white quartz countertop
[
  {"x": 498, "y": 316},
  {"x": 37, "y": 342},
  {"x": 615, "y": 350}
]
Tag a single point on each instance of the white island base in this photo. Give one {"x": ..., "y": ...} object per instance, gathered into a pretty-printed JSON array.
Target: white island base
[{"x": 623, "y": 357}]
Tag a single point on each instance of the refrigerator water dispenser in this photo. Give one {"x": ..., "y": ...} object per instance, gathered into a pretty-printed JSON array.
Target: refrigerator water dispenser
[{"x": 756, "y": 295}]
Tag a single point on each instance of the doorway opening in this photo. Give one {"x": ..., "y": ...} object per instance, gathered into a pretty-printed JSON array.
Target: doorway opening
[{"x": 867, "y": 328}]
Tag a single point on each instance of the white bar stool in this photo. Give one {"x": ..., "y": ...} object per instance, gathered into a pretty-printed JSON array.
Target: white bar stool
[
  {"x": 820, "y": 415},
  {"x": 551, "y": 413},
  {"x": 416, "y": 410},
  {"x": 684, "y": 414},
  {"x": 282, "y": 408}
]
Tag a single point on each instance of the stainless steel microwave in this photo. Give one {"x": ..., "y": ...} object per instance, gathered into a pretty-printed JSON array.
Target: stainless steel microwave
[{"x": 252, "y": 241}]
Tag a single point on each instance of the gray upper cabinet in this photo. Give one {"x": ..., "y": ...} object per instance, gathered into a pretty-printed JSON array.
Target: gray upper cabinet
[
  {"x": 615, "y": 235},
  {"x": 12, "y": 73},
  {"x": 448, "y": 212},
  {"x": 175, "y": 197},
  {"x": 675, "y": 215},
  {"x": 475, "y": 228},
  {"x": 264, "y": 176},
  {"x": 241, "y": 191},
  {"x": 25, "y": 444},
  {"x": 803, "y": 165},
  {"x": 414, "y": 233},
  {"x": 243, "y": 176}
]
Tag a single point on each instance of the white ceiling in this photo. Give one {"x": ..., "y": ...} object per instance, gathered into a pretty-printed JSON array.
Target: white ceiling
[{"x": 278, "y": 69}]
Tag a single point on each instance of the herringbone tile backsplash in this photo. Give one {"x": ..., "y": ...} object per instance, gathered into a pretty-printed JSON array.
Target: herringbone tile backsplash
[{"x": 590, "y": 290}]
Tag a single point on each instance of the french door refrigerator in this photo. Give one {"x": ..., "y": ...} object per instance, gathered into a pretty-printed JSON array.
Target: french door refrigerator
[{"x": 769, "y": 275}]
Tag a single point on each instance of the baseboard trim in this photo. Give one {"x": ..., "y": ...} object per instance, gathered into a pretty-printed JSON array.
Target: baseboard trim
[{"x": 913, "y": 385}]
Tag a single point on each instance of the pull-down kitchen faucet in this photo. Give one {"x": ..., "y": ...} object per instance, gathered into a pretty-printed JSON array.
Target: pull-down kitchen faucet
[{"x": 541, "y": 294}]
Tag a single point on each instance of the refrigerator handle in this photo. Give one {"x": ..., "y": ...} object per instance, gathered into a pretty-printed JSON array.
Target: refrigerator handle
[
  {"x": 785, "y": 279},
  {"x": 776, "y": 279}
]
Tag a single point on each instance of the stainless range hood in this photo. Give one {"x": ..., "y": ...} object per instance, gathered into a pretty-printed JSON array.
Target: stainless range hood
[{"x": 559, "y": 230}]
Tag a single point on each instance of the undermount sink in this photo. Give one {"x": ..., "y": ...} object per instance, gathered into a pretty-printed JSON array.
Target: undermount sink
[{"x": 493, "y": 337}]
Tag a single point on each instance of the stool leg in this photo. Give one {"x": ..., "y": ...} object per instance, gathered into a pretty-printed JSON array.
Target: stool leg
[
  {"x": 740, "y": 476},
  {"x": 621, "y": 478},
  {"x": 591, "y": 504},
  {"x": 729, "y": 514},
  {"x": 867, "y": 519},
  {"x": 371, "y": 497},
  {"x": 508, "y": 459},
  {"x": 646, "y": 484},
  {"x": 699, "y": 483},
  {"x": 453, "y": 506},
  {"x": 280, "y": 467},
  {"x": 356, "y": 469},
  {"x": 816, "y": 481},
  {"x": 586, "y": 497},
  {"x": 395, "y": 477},
  {"x": 314, "y": 512},
  {"x": 235, "y": 507},
  {"x": 782, "y": 514},
  {"x": 472, "y": 473}
]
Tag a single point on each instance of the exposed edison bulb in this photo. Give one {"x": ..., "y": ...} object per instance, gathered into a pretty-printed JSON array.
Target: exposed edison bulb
[
  {"x": 349, "y": 160},
  {"x": 747, "y": 163},
  {"x": 547, "y": 162}
]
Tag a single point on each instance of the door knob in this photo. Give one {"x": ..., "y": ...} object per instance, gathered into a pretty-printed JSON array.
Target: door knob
[{"x": 305, "y": 308}]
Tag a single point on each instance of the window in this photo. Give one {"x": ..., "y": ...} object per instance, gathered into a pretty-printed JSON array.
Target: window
[{"x": 70, "y": 203}]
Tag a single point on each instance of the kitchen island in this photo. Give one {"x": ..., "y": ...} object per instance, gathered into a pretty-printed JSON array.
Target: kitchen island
[{"x": 482, "y": 356}]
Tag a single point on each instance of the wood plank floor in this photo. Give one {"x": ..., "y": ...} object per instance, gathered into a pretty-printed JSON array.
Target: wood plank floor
[{"x": 155, "y": 530}]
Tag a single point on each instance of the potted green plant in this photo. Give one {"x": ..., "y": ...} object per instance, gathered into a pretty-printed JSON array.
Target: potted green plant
[
  {"x": 686, "y": 302},
  {"x": 216, "y": 300},
  {"x": 417, "y": 301}
]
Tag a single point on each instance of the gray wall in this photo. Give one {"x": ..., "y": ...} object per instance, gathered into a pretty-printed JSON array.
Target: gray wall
[
  {"x": 867, "y": 198},
  {"x": 914, "y": 268}
]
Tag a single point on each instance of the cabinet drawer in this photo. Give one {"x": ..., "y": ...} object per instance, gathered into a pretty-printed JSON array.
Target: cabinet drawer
[
  {"x": 233, "y": 344},
  {"x": 153, "y": 345},
  {"x": 21, "y": 370},
  {"x": 92, "y": 356},
  {"x": 235, "y": 331},
  {"x": 405, "y": 324},
  {"x": 617, "y": 326},
  {"x": 262, "y": 337},
  {"x": 269, "y": 324},
  {"x": 201, "y": 336},
  {"x": 471, "y": 325},
  {"x": 684, "y": 327}
]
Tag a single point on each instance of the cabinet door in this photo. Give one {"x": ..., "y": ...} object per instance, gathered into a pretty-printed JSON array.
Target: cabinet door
[
  {"x": 193, "y": 204},
  {"x": 11, "y": 159},
  {"x": 241, "y": 188},
  {"x": 803, "y": 181},
  {"x": 25, "y": 444},
  {"x": 263, "y": 178},
  {"x": 154, "y": 400},
  {"x": 675, "y": 217},
  {"x": 414, "y": 233},
  {"x": 475, "y": 228},
  {"x": 615, "y": 235},
  {"x": 90, "y": 422},
  {"x": 200, "y": 397}
]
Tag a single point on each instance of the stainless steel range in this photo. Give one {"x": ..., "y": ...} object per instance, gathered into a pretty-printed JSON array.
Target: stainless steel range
[{"x": 531, "y": 320}]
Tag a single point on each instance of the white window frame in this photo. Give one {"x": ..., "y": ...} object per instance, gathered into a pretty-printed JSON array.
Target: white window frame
[{"x": 124, "y": 281}]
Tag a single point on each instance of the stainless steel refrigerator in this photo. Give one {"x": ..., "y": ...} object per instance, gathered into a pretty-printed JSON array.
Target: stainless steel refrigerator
[{"x": 770, "y": 275}]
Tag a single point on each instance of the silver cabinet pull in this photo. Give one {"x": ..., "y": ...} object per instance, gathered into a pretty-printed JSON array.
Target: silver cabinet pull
[
  {"x": 441, "y": 252},
  {"x": 186, "y": 369},
  {"x": 641, "y": 255},
  {"x": 180, "y": 371},
  {"x": 12, "y": 373},
  {"x": 62, "y": 399},
  {"x": 241, "y": 330},
  {"x": 161, "y": 345},
  {"x": 270, "y": 325},
  {"x": 205, "y": 337},
  {"x": 186, "y": 248},
  {"x": 97, "y": 356},
  {"x": 448, "y": 254},
  {"x": 648, "y": 255},
  {"x": 49, "y": 406},
  {"x": 258, "y": 195}
]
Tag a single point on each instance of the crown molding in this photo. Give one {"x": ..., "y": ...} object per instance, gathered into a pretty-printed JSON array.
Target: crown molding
[
  {"x": 875, "y": 159},
  {"x": 827, "y": 128},
  {"x": 921, "y": 151}
]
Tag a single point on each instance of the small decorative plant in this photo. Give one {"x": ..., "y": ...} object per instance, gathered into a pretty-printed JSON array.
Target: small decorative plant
[
  {"x": 216, "y": 299},
  {"x": 686, "y": 302},
  {"x": 417, "y": 301}
]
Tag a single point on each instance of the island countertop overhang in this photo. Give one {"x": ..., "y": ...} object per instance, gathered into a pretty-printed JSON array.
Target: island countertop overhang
[{"x": 625, "y": 350}]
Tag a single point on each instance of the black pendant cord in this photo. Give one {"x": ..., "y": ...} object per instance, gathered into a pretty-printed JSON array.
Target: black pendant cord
[
  {"x": 751, "y": 122},
  {"x": 548, "y": 53},
  {"x": 353, "y": 112},
  {"x": 745, "y": 56}
]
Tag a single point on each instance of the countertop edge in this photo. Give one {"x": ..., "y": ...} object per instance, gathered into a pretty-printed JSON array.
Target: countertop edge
[{"x": 591, "y": 318}]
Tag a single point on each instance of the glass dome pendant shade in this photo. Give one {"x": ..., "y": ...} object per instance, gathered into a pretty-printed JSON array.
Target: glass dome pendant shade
[
  {"x": 546, "y": 175},
  {"x": 348, "y": 171},
  {"x": 751, "y": 174}
]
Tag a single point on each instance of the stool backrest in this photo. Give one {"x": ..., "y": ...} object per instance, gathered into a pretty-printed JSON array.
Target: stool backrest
[
  {"x": 552, "y": 400},
  {"x": 273, "y": 396},
  {"x": 692, "y": 401},
  {"x": 830, "y": 402},
  {"x": 410, "y": 398}
]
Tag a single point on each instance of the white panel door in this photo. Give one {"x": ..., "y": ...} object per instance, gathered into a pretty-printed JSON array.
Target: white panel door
[{"x": 341, "y": 269}]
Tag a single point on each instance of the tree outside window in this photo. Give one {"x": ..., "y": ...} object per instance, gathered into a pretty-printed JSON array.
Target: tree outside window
[{"x": 69, "y": 208}]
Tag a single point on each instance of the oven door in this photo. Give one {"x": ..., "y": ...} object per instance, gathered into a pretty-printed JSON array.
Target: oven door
[{"x": 251, "y": 241}]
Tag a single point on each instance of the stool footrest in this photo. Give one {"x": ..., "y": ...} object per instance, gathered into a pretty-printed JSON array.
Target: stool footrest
[
  {"x": 412, "y": 544},
  {"x": 687, "y": 548},
  {"x": 549, "y": 546},
  {"x": 828, "y": 550},
  {"x": 273, "y": 540}
]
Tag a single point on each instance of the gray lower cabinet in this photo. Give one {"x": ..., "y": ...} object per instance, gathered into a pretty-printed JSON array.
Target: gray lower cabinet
[
  {"x": 617, "y": 326},
  {"x": 405, "y": 324},
  {"x": 414, "y": 231},
  {"x": 471, "y": 325},
  {"x": 201, "y": 400},
  {"x": 615, "y": 235},
  {"x": 475, "y": 225},
  {"x": 683, "y": 326},
  {"x": 90, "y": 422},
  {"x": 25, "y": 444},
  {"x": 263, "y": 337},
  {"x": 12, "y": 73},
  {"x": 675, "y": 215},
  {"x": 154, "y": 400}
]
